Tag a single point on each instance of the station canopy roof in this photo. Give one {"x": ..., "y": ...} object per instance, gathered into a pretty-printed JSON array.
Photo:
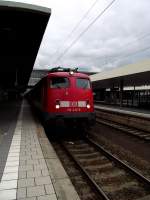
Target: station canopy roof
[
  {"x": 131, "y": 75},
  {"x": 21, "y": 30}
]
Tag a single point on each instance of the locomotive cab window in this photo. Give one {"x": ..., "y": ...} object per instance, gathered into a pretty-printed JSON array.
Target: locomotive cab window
[
  {"x": 59, "y": 82},
  {"x": 83, "y": 83}
]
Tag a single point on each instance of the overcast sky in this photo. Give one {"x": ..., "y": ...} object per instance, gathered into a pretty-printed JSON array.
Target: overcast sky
[{"x": 119, "y": 37}]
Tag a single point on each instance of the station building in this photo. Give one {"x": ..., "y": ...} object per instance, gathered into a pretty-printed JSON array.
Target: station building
[{"x": 125, "y": 86}]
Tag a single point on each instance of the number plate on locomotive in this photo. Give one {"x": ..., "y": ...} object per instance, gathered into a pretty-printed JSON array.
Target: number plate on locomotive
[
  {"x": 66, "y": 104},
  {"x": 73, "y": 104},
  {"x": 82, "y": 104}
]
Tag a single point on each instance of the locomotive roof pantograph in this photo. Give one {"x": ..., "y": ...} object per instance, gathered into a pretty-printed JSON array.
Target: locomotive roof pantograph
[{"x": 61, "y": 69}]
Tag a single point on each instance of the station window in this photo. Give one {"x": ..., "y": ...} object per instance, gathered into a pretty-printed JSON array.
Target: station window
[
  {"x": 59, "y": 82},
  {"x": 83, "y": 83}
]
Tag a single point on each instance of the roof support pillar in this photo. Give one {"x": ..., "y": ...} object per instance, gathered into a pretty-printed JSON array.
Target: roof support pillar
[
  {"x": 133, "y": 96},
  {"x": 139, "y": 98},
  {"x": 121, "y": 92}
]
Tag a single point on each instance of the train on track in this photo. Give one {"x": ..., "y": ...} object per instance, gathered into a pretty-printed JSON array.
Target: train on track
[{"x": 64, "y": 94}]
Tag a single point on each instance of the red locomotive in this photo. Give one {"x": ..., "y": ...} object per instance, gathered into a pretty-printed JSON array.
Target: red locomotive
[{"x": 64, "y": 94}]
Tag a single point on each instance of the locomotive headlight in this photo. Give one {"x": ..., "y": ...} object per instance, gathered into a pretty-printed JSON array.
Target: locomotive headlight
[
  {"x": 71, "y": 72},
  {"x": 57, "y": 106},
  {"x": 88, "y": 106}
]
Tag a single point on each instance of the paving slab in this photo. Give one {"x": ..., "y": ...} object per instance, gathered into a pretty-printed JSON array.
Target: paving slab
[
  {"x": 65, "y": 189},
  {"x": 31, "y": 169}
]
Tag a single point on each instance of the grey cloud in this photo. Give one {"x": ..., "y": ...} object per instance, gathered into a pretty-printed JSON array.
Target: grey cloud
[{"x": 107, "y": 43}]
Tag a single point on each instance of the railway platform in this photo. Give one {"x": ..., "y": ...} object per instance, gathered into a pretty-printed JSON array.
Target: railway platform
[
  {"x": 130, "y": 120},
  {"x": 145, "y": 113},
  {"x": 29, "y": 166}
]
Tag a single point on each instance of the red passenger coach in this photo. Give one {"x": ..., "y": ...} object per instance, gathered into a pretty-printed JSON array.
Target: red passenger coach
[{"x": 64, "y": 94}]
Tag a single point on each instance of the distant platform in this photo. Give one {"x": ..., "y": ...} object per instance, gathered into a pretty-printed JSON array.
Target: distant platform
[{"x": 126, "y": 110}]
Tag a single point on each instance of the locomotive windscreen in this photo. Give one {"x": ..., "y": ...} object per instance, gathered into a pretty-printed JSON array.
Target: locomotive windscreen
[
  {"x": 59, "y": 82},
  {"x": 83, "y": 83}
]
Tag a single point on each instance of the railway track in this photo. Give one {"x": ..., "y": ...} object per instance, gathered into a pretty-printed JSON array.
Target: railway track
[
  {"x": 79, "y": 180},
  {"x": 144, "y": 135},
  {"x": 111, "y": 178}
]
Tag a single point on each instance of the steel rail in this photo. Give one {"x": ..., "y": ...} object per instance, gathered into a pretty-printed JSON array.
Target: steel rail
[
  {"x": 121, "y": 163},
  {"x": 97, "y": 187},
  {"x": 121, "y": 128}
]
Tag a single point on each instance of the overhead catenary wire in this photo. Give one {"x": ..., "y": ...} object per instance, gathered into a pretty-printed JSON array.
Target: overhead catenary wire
[
  {"x": 76, "y": 26},
  {"x": 136, "y": 52},
  {"x": 114, "y": 58},
  {"x": 85, "y": 30},
  {"x": 84, "y": 16},
  {"x": 141, "y": 37},
  {"x": 128, "y": 55}
]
